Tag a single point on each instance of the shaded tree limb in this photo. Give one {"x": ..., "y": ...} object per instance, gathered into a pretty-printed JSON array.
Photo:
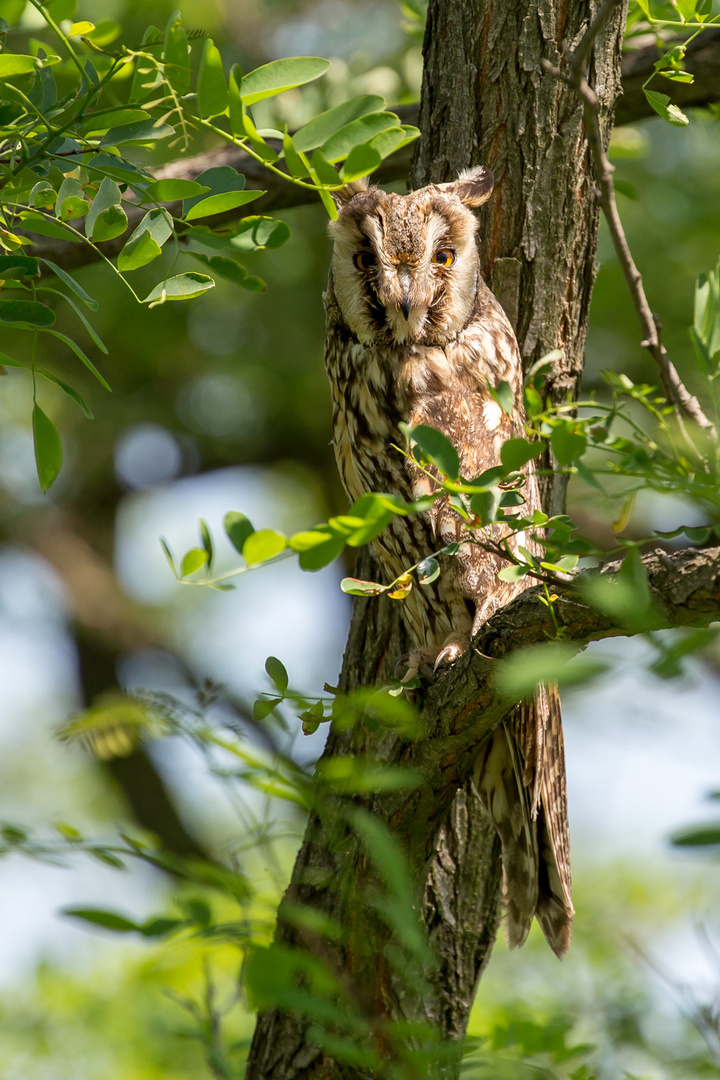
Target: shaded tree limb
[{"x": 702, "y": 59}]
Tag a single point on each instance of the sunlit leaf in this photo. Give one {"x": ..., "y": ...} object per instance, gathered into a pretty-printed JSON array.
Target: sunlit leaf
[
  {"x": 516, "y": 453},
  {"x": 171, "y": 190},
  {"x": 358, "y": 587},
  {"x": 15, "y": 64},
  {"x": 263, "y": 545},
  {"x": 106, "y": 218},
  {"x": 237, "y": 528},
  {"x": 322, "y": 127},
  {"x": 181, "y": 287},
  {"x": 193, "y": 561},
  {"x": 356, "y": 133},
  {"x": 145, "y": 243},
  {"x": 436, "y": 447},
  {"x": 71, "y": 201},
  {"x": 402, "y": 587},
  {"x": 280, "y": 75},
  {"x": 211, "y": 86}
]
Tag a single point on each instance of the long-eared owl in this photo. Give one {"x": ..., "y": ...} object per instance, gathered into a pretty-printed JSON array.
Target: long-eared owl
[{"x": 415, "y": 335}]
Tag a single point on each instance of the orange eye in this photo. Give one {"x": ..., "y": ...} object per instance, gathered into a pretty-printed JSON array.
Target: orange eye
[
  {"x": 363, "y": 260},
  {"x": 444, "y": 257}
]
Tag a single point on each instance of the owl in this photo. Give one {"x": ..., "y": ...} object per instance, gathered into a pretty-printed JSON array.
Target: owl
[{"x": 414, "y": 335}]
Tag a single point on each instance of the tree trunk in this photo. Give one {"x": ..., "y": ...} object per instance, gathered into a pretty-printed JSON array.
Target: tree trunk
[{"x": 486, "y": 99}]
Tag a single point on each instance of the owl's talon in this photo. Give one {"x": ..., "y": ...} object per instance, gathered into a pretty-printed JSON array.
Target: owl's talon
[{"x": 448, "y": 655}]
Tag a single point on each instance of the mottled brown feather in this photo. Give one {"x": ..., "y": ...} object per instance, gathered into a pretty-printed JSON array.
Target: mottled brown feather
[{"x": 409, "y": 339}]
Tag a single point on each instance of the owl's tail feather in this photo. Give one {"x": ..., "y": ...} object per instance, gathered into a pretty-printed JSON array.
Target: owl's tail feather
[
  {"x": 499, "y": 781},
  {"x": 555, "y": 910},
  {"x": 520, "y": 777}
]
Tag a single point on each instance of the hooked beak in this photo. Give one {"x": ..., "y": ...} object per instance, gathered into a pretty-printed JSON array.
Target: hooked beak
[{"x": 405, "y": 308}]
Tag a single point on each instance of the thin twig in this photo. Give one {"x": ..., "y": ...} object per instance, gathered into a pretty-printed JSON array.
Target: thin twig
[{"x": 676, "y": 391}]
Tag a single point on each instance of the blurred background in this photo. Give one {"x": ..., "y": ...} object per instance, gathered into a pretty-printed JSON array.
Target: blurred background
[{"x": 221, "y": 404}]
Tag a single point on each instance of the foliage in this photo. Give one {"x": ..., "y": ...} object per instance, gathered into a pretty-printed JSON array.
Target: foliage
[
  {"x": 66, "y": 153},
  {"x": 618, "y": 445}
]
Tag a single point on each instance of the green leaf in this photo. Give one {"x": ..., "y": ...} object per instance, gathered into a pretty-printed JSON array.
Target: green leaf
[
  {"x": 485, "y": 505},
  {"x": 324, "y": 171},
  {"x": 276, "y": 670},
  {"x": 48, "y": 449},
  {"x": 206, "y": 541},
  {"x": 237, "y": 528},
  {"x": 361, "y": 161},
  {"x": 428, "y": 570},
  {"x": 231, "y": 271},
  {"x": 263, "y": 545},
  {"x": 435, "y": 446},
  {"x": 105, "y": 120},
  {"x": 375, "y": 515},
  {"x": 181, "y": 287},
  {"x": 27, "y": 312},
  {"x": 97, "y": 340},
  {"x": 661, "y": 104},
  {"x": 518, "y": 452},
  {"x": 43, "y": 195},
  {"x": 109, "y": 920},
  {"x": 699, "y": 836},
  {"x": 143, "y": 131},
  {"x": 257, "y": 232},
  {"x": 14, "y": 64},
  {"x": 354, "y": 134},
  {"x": 171, "y": 190},
  {"x": 66, "y": 389},
  {"x": 513, "y": 573},
  {"x": 176, "y": 55},
  {"x": 36, "y": 223},
  {"x": 317, "y": 556},
  {"x": 72, "y": 284},
  {"x": 358, "y": 587},
  {"x": 296, "y": 166},
  {"x": 280, "y": 75},
  {"x": 567, "y": 445},
  {"x": 518, "y": 674},
  {"x": 106, "y": 218},
  {"x": 503, "y": 394},
  {"x": 147, "y": 240},
  {"x": 322, "y": 127},
  {"x": 79, "y": 353},
  {"x": 193, "y": 561},
  {"x": 227, "y": 188},
  {"x": 168, "y": 555},
  {"x": 212, "y": 93},
  {"x": 18, "y": 267},
  {"x": 221, "y": 203},
  {"x": 161, "y": 927},
  {"x": 71, "y": 201}
]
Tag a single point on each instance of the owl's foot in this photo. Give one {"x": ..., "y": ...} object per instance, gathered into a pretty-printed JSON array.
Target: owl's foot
[{"x": 413, "y": 661}]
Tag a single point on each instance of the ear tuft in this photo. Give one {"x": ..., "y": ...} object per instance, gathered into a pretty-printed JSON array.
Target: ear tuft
[
  {"x": 345, "y": 194},
  {"x": 473, "y": 187}
]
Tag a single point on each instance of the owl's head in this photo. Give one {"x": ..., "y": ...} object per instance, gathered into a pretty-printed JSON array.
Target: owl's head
[{"x": 405, "y": 268}]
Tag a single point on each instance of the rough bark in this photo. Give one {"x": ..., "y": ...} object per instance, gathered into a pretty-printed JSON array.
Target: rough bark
[{"x": 485, "y": 99}]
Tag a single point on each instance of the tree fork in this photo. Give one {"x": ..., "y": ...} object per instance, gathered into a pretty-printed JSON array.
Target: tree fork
[{"x": 486, "y": 99}]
